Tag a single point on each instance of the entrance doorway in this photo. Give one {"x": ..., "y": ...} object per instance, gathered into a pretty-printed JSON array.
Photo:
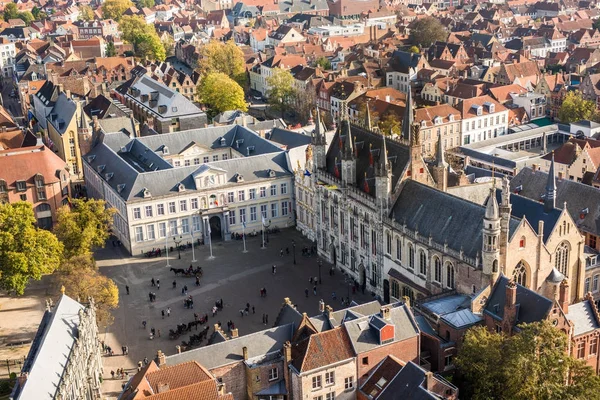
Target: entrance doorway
[
  {"x": 386, "y": 291},
  {"x": 215, "y": 228}
]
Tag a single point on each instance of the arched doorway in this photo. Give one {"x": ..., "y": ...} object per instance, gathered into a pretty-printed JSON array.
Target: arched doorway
[
  {"x": 363, "y": 277},
  {"x": 215, "y": 228}
]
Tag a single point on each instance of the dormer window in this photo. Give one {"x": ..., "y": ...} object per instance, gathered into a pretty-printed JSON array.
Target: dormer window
[
  {"x": 271, "y": 173},
  {"x": 101, "y": 168},
  {"x": 423, "y": 124},
  {"x": 223, "y": 142},
  {"x": 120, "y": 187},
  {"x": 492, "y": 107},
  {"x": 451, "y": 117},
  {"x": 181, "y": 187},
  {"x": 479, "y": 110},
  {"x": 108, "y": 176},
  {"x": 165, "y": 150},
  {"x": 239, "y": 178},
  {"x": 437, "y": 120},
  {"x": 146, "y": 193},
  {"x": 3, "y": 186},
  {"x": 21, "y": 186}
]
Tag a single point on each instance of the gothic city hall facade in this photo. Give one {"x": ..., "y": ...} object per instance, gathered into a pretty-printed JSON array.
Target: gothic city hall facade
[{"x": 398, "y": 226}]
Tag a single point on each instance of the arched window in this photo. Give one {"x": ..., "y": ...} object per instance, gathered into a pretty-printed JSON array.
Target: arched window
[
  {"x": 561, "y": 258},
  {"x": 437, "y": 269},
  {"x": 398, "y": 249},
  {"x": 388, "y": 243},
  {"x": 411, "y": 256},
  {"x": 422, "y": 263},
  {"x": 495, "y": 266},
  {"x": 450, "y": 275},
  {"x": 520, "y": 274},
  {"x": 42, "y": 207},
  {"x": 395, "y": 289}
]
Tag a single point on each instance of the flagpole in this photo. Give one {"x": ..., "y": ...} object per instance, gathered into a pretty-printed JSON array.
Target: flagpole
[
  {"x": 167, "y": 244},
  {"x": 263, "y": 232},
  {"x": 193, "y": 252},
  {"x": 210, "y": 243}
]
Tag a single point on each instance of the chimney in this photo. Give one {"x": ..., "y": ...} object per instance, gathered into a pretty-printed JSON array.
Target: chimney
[
  {"x": 510, "y": 310},
  {"x": 61, "y": 88},
  {"x": 216, "y": 327},
  {"x": 328, "y": 311},
  {"x": 22, "y": 379},
  {"x": 406, "y": 300},
  {"x": 68, "y": 93},
  {"x": 161, "y": 358},
  {"x": 234, "y": 333},
  {"x": 563, "y": 296},
  {"x": 429, "y": 381},
  {"x": 178, "y": 347},
  {"x": 244, "y": 350},
  {"x": 385, "y": 313},
  {"x": 540, "y": 228},
  {"x": 321, "y": 306},
  {"x": 511, "y": 294}
]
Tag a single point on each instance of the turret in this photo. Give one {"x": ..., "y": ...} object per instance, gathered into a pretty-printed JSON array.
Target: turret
[
  {"x": 550, "y": 197},
  {"x": 319, "y": 143},
  {"x": 348, "y": 155},
  {"x": 491, "y": 238},
  {"x": 440, "y": 169},
  {"x": 368, "y": 123},
  {"x": 383, "y": 177}
]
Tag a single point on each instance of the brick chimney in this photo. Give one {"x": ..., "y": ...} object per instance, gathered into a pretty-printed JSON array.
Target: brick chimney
[
  {"x": 321, "y": 306},
  {"x": 287, "y": 360},
  {"x": 161, "y": 359},
  {"x": 245, "y": 352},
  {"x": 328, "y": 311},
  {"x": 563, "y": 296},
  {"x": 510, "y": 307},
  {"x": 429, "y": 381},
  {"x": 234, "y": 333},
  {"x": 385, "y": 313}
]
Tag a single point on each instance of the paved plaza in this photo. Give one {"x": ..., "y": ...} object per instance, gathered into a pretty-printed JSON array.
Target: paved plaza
[{"x": 232, "y": 275}]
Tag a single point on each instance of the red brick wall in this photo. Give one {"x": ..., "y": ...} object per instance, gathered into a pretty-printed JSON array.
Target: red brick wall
[
  {"x": 234, "y": 378},
  {"x": 406, "y": 350}
]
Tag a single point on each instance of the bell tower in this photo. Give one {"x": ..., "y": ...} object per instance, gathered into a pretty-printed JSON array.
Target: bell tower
[{"x": 491, "y": 238}]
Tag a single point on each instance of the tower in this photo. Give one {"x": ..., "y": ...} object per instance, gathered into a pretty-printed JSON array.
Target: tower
[
  {"x": 83, "y": 130},
  {"x": 383, "y": 178},
  {"x": 491, "y": 238},
  {"x": 440, "y": 169},
  {"x": 368, "y": 123},
  {"x": 348, "y": 155},
  {"x": 550, "y": 198},
  {"x": 505, "y": 212},
  {"x": 319, "y": 143}
]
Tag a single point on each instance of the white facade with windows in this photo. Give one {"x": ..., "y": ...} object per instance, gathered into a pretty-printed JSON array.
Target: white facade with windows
[
  {"x": 7, "y": 57},
  {"x": 484, "y": 120},
  {"x": 185, "y": 200}
]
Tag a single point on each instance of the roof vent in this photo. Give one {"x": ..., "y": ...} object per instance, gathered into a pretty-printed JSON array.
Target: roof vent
[
  {"x": 101, "y": 168},
  {"x": 108, "y": 176},
  {"x": 519, "y": 189},
  {"x": 223, "y": 142},
  {"x": 144, "y": 98},
  {"x": 91, "y": 158},
  {"x": 249, "y": 150},
  {"x": 162, "y": 109},
  {"x": 181, "y": 187},
  {"x": 120, "y": 187},
  {"x": 153, "y": 103},
  {"x": 154, "y": 95}
]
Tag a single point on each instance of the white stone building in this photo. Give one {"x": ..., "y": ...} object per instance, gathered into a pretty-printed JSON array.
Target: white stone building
[
  {"x": 190, "y": 182},
  {"x": 482, "y": 118}
]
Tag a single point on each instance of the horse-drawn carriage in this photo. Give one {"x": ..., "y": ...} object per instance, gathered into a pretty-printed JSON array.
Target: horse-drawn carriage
[{"x": 188, "y": 272}]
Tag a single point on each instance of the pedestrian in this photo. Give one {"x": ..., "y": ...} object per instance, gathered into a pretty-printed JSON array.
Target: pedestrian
[
  {"x": 315, "y": 290},
  {"x": 246, "y": 311},
  {"x": 333, "y": 295},
  {"x": 127, "y": 288},
  {"x": 306, "y": 292},
  {"x": 145, "y": 360},
  {"x": 163, "y": 314},
  {"x": 310, "y": 280},
  {"x": 197, "y": 281},
  {"x": 266, "y": 319},
  {"x": 287, "y": 251},
  {"x": 253, "y": 312},
  {"x": 158, "y": 282},
  {"x": 123, "y": 350},
  {"x": 144, "y": 324},
  {"x": 159, "y": 333},
  {"x": 264, "y": 323},
  {"x": 247, "y": 306},
  {"x": 174, "y": 284},
  {"x": 126, "y": 350},
  {"x": 273, "y": 269},
  {"x": 183, "y": 291},
  {"x": 168, "y": 311},
  {"x": 150, "y": 296},
  {"x": 152, "y": 283},
  {"x": 158, "y": 285},
  {"x": 242, "y": 313},
  {"x": 113, "y": 374}
]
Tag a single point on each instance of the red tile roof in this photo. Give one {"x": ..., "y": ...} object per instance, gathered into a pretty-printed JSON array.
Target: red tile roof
[
  {"x": 321, "y": 349},
  {"x": 26, "y": 162}
]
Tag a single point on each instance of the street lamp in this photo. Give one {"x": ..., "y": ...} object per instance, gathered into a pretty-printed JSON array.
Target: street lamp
[
  {"x": 294, "y": 250},
  {"x": 319, "y": 262},
  {"x": 265, "y": 225},
  {"x": 177, "y": 243}
]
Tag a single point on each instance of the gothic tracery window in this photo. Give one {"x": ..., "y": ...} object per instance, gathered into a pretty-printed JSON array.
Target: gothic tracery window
[
  {"x": 561, "y": 258},
  {"x": 450, "y": 276},
  {"x": 437, "y": 269},
  {"x": 520, "y": 274}
]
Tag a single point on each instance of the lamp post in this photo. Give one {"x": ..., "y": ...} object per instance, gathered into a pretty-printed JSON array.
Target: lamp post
[
  {"x": 177, "y": 243},
  {"x": 319, "y": 262},
  {"x": 294, "y": 250},
  {"x": 167, "y": 244},
  {"x": 265, "y": 225}
]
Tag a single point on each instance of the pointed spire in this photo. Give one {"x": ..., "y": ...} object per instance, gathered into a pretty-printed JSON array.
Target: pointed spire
[
  {"x": 368, "y": 124},
  {"x": 319, "y": 128},
  {"x": 491, "y": 208},
  {"x": 83, "y": 124},
  {"x": 407, "y": 121},
  {"x": 439, "y": 157},
  {"x": 348, "y": 145},
  {"x": 383, "y": 159},
  {"x": 550, "y": 200}
]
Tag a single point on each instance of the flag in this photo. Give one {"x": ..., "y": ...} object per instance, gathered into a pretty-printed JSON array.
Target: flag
[
  {"x": 216, "y": 203},
  {"x": 336, "y": 171},
  {"x": 366, "y": 185},
  {"x": 371, "y": 157},
  {"x": 307, "y": 172}
]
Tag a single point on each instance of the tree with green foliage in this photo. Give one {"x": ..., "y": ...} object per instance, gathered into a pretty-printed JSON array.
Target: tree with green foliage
[
  {"x": 11, "y": 11},
  {"x": 114, "y": 9},
  {"x": 390, "y": 125},
  {"x": 111, "y": 50},
  {"x": 226, "y": 57},
  {"x": 27, "y": 17},
  {"x": 169, "y": 44},
  {"x": 26, "y": 252},
  {"x": 83, "y": 227},
  {"x": 323, "y": 62},
  {"x": 426, "y": 31},
  {"x": 144, "y": 38},
  {"x": 86, "y": 13},
  {"x": 281, "y": 90},
  {"x": 575, "y": 108},
  {"x": 414, "y": 49},
  {"x": 532, "y": 364},
  {"x": 221, "y": 93},
  {"x": 596, "y": 24},
  {"x": 145, "y": 3}
]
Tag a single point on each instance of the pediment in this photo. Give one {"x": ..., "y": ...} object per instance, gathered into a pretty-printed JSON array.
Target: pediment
[{"x": 194, "y": 148}]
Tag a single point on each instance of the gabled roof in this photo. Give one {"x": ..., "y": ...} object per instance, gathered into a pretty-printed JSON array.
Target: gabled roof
[
  {"x": 531, "y": 307},
  {"x": 408, "y": 384},
  {"x": 584, "y": 316},
  {"x": 322, "y": 349},
  {"x": 402, "y": 61}
]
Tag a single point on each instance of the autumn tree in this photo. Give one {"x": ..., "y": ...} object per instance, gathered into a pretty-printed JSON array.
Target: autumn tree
[
  {"x": 169, "y": 44},
  {"x": 414, "y": 49},
  {"x": 111, "y": 50},
  {"x": 145, "y": 3},
  {"x": 11, "y": 11},
  {"x": 144, "y": 38},
  {"x": 88, "y": 282},
  {"x": 575, "y": 108},
  {"x": 323, "y": 62},
  {"x": 389, "y": 124},
  {"x": 83, "y": 227},
  {"x": 114, "y": 9},
  {"x": 281, "y": 92},
  {"x": 226, "y": 57},
  {"x": 426, "y": 31},
  {"x": 306, "y": 101},
  {"x": 221, "y": 93},
  {"x": 26, "y": 252},
  {"x": 86, "y": 13},
  {"x": 532, "y": 364}
]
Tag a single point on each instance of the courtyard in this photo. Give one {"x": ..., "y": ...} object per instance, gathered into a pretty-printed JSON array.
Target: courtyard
[{"x": 232, "y": 275}]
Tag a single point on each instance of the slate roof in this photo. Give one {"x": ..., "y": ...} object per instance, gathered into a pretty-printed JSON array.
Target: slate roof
[
  {"x": 365, "y": 142},
  {"x": 533, "y": 211},
  {"x": 363, "y": 332},
  {"x": 407, "y": 384},
  {"x": 64, "y": 109},
  {"x": 49, "y": 355},
  {"x": 583, "y": 318},
  {"x": 103, "y": 107},
  {"x": 386, "y": 369},
  {"x": 136, "y": 164},
  {"x": 531, "y": 307},
  {"x": 220, "y": 354},
  {"x": 288, "y": 138},
  {"x": 402, "y": 61},
  {"x": 578, "y": 197},
  {"x": 442, "y": 216}
]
